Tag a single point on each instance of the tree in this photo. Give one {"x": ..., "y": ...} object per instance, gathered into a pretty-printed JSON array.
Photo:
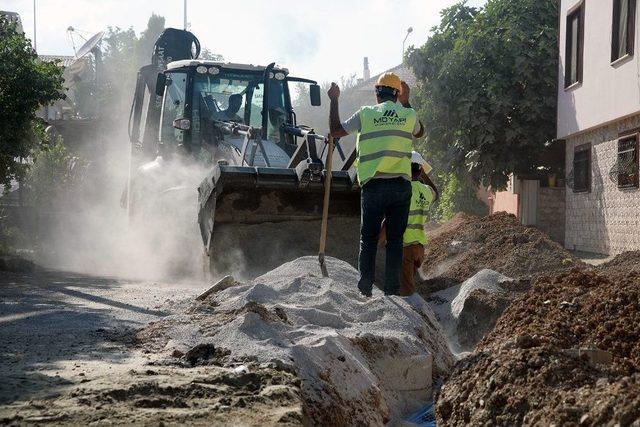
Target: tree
[
  {"x": 210, "y": 56},
  {"x": 488, "y": 88},
  {"x": 144, "y": 48},
  {"x": 25, "y": 84},
  {"x": 457, "y": 196},
  {"x": 119, "y": 69},
  {"x": 123, "y": 55},
  {"x": 54, "y": 174}
]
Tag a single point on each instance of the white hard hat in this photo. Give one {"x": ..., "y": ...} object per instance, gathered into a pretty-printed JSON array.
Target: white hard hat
[{"x": 417, "y": 158}]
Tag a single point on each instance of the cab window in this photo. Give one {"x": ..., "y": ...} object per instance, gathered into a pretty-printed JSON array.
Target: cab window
[
  {"x": 236, "y": 97},
  {"x": 174, "y": 108}
]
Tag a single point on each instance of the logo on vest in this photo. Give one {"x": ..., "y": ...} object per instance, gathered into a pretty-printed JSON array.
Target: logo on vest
[
  {"x": 389, "y": 118},
  {"x": 422, "y": 202}
]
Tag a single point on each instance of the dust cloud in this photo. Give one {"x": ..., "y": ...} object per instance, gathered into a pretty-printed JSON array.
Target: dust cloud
[{"x": 157, "y": 237}]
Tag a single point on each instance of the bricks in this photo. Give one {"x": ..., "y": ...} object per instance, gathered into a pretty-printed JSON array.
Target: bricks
[{"x": 606, "y": 220}]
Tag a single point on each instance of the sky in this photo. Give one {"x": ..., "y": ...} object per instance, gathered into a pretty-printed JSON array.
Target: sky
[{"x": 317, "y": 39}]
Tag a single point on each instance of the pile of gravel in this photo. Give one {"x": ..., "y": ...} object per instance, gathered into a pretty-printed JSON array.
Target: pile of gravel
[{"x": 360, "y": 361}]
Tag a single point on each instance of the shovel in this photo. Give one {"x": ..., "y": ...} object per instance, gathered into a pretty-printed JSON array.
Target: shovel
[{"x": 325, "y": 207}]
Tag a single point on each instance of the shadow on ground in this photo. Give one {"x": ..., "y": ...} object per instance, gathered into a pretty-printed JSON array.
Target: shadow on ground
[{"x": 47, "y": 317}]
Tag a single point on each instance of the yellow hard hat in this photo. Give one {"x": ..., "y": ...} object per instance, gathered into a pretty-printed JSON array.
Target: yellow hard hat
[{"x": 390, "y": 80}]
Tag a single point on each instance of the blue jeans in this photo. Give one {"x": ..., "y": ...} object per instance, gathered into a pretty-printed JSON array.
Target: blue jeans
[{"x": 388, "y": 199}]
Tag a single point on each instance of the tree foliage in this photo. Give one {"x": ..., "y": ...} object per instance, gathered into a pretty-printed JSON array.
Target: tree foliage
[
  {"x": 209, "y": 55},
  {"x": 25, "y": 84},
  {"x": 458, "y": 195},
  {"x": 488, "y": 88},
  {"x": 124, "y": 53},
  {"x": 54, "y": 174}
]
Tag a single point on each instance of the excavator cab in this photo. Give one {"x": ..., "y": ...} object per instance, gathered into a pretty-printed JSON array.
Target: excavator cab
[{"x": 261, "y": 203}]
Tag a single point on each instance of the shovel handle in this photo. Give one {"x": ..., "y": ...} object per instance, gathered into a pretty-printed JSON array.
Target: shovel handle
[{"x": 325, "y": 207}]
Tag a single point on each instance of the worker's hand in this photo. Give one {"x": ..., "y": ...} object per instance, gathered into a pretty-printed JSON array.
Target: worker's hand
[
  {"x": 403, "y": 96},
  {"x": 334, "y": 92}
]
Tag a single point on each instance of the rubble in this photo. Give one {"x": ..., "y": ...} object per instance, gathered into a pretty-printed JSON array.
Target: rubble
[
  {"x": 359, "y": 360},
  {"x": 565, "y": 352},
  {"x": 467, "y": 244}
]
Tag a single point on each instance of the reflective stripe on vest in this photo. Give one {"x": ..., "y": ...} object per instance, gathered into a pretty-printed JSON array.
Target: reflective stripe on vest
[
  {"x": 385, "y": 142},
  {"x": 421, "y": 198}
]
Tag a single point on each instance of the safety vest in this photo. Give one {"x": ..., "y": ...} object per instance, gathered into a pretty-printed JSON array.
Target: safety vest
[
  {"x": 385, "y": 142},
  {"x": 421, "y": 198}
]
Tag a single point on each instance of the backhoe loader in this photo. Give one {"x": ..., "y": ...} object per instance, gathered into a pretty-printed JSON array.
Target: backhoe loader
[{"x": 261, "y": 202}]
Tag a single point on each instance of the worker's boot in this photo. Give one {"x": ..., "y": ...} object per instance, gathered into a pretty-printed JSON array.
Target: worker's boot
[{"x": 365, "y": 290}]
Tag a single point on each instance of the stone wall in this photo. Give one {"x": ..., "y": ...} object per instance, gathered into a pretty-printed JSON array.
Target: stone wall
[
  {"x": 605, "y": 220},
  {"x": 551, "y": 212}
]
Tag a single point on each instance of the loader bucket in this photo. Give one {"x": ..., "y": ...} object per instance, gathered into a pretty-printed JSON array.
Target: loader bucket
[{"x": 253, "y": 219}]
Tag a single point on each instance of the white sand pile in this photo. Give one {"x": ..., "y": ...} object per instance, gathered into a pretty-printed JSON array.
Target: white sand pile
[
  {"x": 449, "y": 304},
  {"x": 360, "y": 361}
]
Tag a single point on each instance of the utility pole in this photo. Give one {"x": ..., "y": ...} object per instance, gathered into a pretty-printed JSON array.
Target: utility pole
[
  {"x": 35, "y": 40},
  {"x": 409, "y": 31},
  {"x": 185, "y": 14}
]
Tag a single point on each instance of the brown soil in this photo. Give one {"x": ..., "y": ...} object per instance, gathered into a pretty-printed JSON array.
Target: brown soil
[
  {"x": 465, "y": 245},
  {"x": 458, "y": 220},
  {"x": 622, "y": 266},
  {"x": 536, "y": 386},
  {"x": 528, "y": 371},
  {"x": 577, "y": 309}
]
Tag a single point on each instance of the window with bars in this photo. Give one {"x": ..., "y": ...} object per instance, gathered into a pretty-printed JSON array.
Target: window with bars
[
  {"x": 582, "y": 169},
  {"x": 623, "y": 28},
  {"x": 627, "y": 166},
  {"x": 574, "y": 46}
]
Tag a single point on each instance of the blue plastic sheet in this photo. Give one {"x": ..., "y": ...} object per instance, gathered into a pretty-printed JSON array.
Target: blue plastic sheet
[{"x": 424, "y": 417}]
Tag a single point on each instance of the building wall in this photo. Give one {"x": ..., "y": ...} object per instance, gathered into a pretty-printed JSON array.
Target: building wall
[
  {"x": 542, "y": 207},
  {"x": 607, "y": 92},
  {"x": 505, "y": 201},
  {"x": 605, "y": 220},
  {"x": 551, "y": 212}
]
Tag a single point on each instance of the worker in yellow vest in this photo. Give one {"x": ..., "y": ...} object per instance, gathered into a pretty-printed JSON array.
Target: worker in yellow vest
[
  {"x": 414, "y": 237},
  {"x": 384, "y": 145}
]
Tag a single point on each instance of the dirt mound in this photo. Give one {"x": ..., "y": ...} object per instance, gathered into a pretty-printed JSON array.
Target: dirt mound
[
  {"x": 624, "y": 265},
  {"x": 458, "y": 220},
  {"x": 577, "y": 309},
  {"x": 567, "y": 352},
  {"x": 467, "y": 244},
  {"x": 536, "y": 386}
]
